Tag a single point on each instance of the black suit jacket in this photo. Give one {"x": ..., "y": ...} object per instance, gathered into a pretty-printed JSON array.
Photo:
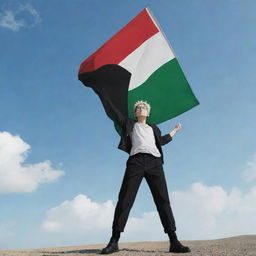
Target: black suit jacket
[{"x": 127, "y": 127}]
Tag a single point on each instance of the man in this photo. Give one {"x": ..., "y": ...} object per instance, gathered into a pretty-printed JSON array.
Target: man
[{"x": 143, "y": 143}]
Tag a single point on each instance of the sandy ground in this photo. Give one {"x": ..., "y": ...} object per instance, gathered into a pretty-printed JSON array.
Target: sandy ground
[{"x": 233, "y": 246}]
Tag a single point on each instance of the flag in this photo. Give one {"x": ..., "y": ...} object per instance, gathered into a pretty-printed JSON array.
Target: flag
[{"x": 138, "y": 63}]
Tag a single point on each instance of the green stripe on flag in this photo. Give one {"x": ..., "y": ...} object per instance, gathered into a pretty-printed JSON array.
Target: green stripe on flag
[{"x": 167, "y": 91}]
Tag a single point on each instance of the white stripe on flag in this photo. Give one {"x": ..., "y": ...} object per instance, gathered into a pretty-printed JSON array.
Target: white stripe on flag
[{"x": 146, "y": 59}]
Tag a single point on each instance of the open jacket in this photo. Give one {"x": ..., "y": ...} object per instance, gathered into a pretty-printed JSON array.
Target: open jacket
[{"x": 127, "y": 127}]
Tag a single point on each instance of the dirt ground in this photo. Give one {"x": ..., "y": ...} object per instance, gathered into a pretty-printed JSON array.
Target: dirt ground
[{"x": 233, "y": 246}]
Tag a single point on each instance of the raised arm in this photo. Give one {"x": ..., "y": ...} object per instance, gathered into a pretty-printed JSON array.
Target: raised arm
[
  {"x": 168, "y": 137},
  {"x": 165, "y": 138},
  {"x": 177, "y": 128}
]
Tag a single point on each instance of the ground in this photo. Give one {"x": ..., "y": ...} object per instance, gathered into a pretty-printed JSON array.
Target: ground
[{"x": 233, "y": 246}]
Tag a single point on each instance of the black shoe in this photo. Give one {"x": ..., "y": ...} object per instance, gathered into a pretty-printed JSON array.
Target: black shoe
[
  {"x": 178, "y": 248},
  {"x": 111, "y": 247}
]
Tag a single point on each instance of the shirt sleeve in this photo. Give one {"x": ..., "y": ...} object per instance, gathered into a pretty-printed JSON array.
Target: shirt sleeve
[{"x": 165, "y": 138}]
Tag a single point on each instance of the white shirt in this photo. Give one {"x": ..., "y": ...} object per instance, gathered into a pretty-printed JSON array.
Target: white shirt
[{"x": 143, "y": 140}]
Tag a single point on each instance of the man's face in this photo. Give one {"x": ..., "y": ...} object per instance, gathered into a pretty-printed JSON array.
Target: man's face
[{"x": 141, "y": 110}]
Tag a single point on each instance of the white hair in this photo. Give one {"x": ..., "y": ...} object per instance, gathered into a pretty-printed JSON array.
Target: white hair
[{"x": 141, "y": 102}]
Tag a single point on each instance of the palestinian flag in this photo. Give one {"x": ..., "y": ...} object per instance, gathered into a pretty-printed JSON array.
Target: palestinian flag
[{"x": 137, "y": 63}]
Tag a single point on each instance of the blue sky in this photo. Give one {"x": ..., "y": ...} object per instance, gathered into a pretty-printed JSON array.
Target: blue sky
[{"x": 60, "y": 167}]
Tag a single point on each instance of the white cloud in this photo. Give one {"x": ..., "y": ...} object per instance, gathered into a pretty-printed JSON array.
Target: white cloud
[
  {"x": 201, "y": 212},
  {"x": 21, "y": 17},
  {"x": 79, "y": 215},
  {"x": 250, "y": 172},
  {"x": 204, "y": 212},
  {"x": 15, "y": 176}
]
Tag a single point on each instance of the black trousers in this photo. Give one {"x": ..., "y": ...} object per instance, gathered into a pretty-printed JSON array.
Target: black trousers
[{"x": 138, "y": 166}]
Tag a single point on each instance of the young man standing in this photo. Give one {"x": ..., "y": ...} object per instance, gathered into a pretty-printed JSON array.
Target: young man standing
[{"x": 143, "y": 143}]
